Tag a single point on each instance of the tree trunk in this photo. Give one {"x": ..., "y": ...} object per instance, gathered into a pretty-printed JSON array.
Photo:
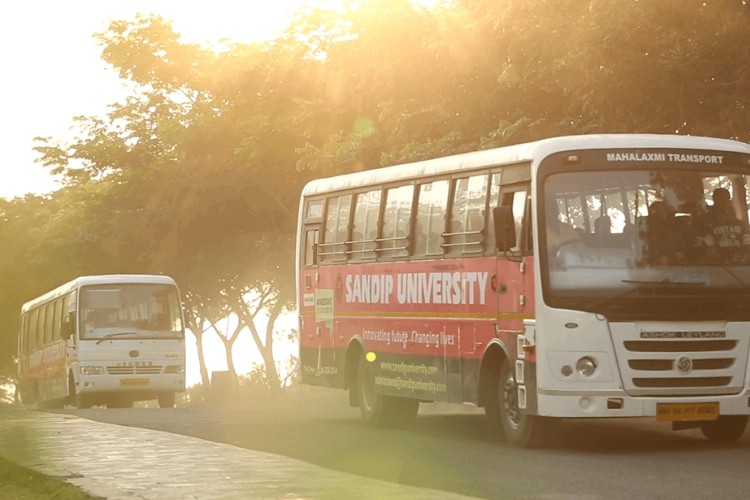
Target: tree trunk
[{"x": 202, "y": 359}]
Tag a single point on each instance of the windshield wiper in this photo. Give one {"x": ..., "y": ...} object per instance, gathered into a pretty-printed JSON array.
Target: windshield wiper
[
  {"x": 664, "y": 282},
  {"x": 643, "y": 285},
  {"x": 112, "y": 335}
]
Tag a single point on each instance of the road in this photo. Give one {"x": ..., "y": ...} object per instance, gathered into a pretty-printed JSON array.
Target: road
[{"x": 448, "y": 449}]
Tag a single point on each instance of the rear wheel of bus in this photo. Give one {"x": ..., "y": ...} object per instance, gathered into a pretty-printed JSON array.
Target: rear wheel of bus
[
  {"x": 166, "y": 400},
  {"x": 379, "y": 410}
]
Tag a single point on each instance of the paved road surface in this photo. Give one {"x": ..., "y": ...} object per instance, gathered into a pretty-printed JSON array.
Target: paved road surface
[{"x": 599, "y": 459}]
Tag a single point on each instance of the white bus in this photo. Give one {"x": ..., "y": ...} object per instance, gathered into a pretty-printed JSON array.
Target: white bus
[
  {"x": 573, "y": 277},
  {"x": 103, "y": 340}
]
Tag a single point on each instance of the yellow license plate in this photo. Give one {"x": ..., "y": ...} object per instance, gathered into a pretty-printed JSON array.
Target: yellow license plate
[
  {"x": 684, "y": 412},
  {"x": 135, "y": 381}
]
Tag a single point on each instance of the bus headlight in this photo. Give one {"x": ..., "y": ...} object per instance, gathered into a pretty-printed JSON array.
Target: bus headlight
[
  {"x": 179, "y": 369},
  {"x": 92, "y": 370},
  {"x": 586, "y": 366}
]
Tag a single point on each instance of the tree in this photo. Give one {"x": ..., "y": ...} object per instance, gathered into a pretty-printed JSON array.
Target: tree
[
  {"x": 197, "y": 173},
  {"x": 182, "y": 162}
]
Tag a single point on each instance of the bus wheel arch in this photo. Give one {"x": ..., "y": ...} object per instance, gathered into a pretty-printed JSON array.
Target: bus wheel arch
[
  {"x": 489, "y": 376},
  {"x": 378, "y": 410},
  {"x": 494, "y": 356},
  {"x": 499, "y": 396}
]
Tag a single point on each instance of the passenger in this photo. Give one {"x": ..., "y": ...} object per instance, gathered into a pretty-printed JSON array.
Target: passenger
[
  {"x": 721, "y": 200},
  {"x": 727, "y": 238},
  {"x": 665, "y": 244}
]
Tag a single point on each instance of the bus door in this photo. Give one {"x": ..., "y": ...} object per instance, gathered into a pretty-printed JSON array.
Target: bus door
[
  {"x": 70, "y": 327},
  {"x": 512, "y": 273},
  {"x": 318, "y": 290}
]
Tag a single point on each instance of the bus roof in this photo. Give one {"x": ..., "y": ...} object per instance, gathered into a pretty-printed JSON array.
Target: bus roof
[
  {"x": 519, "y": 153},
  {"x": 103, "y": 279}
]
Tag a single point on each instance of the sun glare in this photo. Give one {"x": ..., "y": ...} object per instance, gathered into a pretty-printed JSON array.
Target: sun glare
[{"x": 233, "y": 21}]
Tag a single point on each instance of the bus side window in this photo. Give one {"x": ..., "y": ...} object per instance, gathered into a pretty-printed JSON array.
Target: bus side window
[
  {"x": 39, "y": 326},
  {"x": 312, "y": 237},
  {"x": 514, "y": 205},
  {"x": 30, "y": 332},
  {"x": 466, "y": 233},
  {"x": 68, "y": 316},
  {"x": 57, "y": 319},
  {"x": 493, "y": 201},
  {"x": 430, "y": 220},
  {"x": 333, "y": 248},
  {"x": 365, "y": 226},
  {"x": 396, "y": 217},
  {"x": 24, "y": 344}
]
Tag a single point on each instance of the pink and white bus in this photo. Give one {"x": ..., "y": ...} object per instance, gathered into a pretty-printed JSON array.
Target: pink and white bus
[
  {"x": 573, "y": 277},
  {"x": 103, "y": 340}
]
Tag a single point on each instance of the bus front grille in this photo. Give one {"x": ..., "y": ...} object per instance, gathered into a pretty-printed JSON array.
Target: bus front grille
[
  {"x": 134, "y": 370},
  {"x": 681, "y": 363}
]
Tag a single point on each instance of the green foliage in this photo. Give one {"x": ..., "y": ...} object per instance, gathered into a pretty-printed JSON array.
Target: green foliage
[{"x": 197, "y": 173}]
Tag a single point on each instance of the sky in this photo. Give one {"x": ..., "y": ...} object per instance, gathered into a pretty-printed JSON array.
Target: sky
[{"x": 52, "y": 69}]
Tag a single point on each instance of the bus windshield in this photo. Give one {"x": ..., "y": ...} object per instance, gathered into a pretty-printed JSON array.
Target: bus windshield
[
  {"x": 129, "y": 311},
  {"x": 673, "y": 241}
]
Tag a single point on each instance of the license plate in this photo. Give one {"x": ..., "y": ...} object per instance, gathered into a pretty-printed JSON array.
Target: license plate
[
  {"x": 135, "y": 381},
  {"x": 684, "y": 412}
]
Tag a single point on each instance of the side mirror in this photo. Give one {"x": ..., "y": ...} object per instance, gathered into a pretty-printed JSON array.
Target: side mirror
[
  {"x": 68, "y": 325},
  {"x": 505, "y": 228}
]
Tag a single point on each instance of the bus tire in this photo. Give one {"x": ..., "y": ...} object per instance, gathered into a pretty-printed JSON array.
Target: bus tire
[
  {"x": 725, "y": 429},
  {"x": 379, "y": 410},
  {"x": 166, "y": 400},
  {"x": 83, "y": 401},
  {"x": 370, "y": 404},
  {"x": 72, "y": 398},
  {"x": 520, "y": 429}
]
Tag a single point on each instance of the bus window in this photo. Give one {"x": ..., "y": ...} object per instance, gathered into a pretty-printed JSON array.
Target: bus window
[
  {"x": 57, "y": 318},
  {"x": 430, "y": 223},
  {"x": 24, "y": 344},
  {"x": 314, "y": 211},
  {"x": 396, "y": 220},
  {"x": 312, "y": 237},
  {"x": 33, "y": 340},
  {"x": 518, "y": 201},
  {"x": 365, "y": 225},
  {"x": 39, "y": 326},
  {"x": 333, "y": 248},
  {"x": 466, "y": 230},
  {"x": 493, "y": 201}
]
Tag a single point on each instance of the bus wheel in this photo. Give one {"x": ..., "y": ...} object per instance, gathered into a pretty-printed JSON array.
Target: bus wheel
[
  {"x": 72, "y": 397},
  {"x": 370, "y": 403},
  {"x": 166, "y": 400},
  {"x": 725, "y": 429},
  {"x": 522, "y": 430},
  {"x": 83, "y": 401},
  {"x": 379, "y": 410}
]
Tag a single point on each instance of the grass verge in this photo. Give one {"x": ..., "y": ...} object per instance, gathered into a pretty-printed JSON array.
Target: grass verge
[{"x": 20, "y": 483}]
